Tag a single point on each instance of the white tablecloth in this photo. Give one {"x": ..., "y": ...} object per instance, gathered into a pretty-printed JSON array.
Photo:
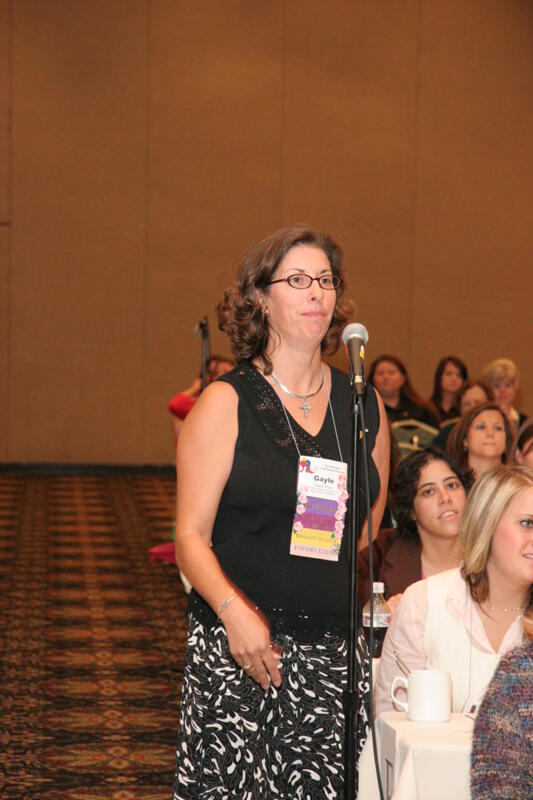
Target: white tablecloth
[{"x": 418, "y": 760}]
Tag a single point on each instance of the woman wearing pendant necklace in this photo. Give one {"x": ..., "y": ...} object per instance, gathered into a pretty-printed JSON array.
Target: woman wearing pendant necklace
[
  {"x": 464, "y": 620},
  {"x": 262, "y": 471}
]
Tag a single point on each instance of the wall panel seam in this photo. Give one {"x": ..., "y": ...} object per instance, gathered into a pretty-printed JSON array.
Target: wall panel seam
[
  {"x": 414, "y": 187},
  {"x": 8, "y": 224},
  {"x": 144, "y": 305}
]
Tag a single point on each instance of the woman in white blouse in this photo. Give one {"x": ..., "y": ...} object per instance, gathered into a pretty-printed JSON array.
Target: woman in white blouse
[{"x": 465, "y": 619}]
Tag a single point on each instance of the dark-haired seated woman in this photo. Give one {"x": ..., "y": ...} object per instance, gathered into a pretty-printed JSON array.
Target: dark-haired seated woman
[
  {"x": 449, "y": 377},
  {"x": 472, "y": 393},
  {"x": 389, "y": 376},
  {"x": 427, "y": 495}
]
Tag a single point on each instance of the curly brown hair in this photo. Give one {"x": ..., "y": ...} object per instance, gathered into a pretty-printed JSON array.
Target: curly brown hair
[
  {"x": 405, "y": 486},
  {"x": 241, "y": 313}
]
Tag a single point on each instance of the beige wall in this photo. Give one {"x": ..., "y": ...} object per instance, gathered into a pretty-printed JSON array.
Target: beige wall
[{"x": 144, "y": 145}]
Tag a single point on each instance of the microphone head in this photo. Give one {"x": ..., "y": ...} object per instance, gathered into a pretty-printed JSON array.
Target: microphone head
[
  {"x": 202, "y": 329},
  {"x": 355, "y": 331}
]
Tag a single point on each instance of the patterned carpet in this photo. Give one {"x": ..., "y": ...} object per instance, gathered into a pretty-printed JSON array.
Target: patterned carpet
[{"x": 92, "y": 638}]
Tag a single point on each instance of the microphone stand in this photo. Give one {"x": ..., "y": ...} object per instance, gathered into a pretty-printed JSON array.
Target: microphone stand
[
  {"x": 202, "y": 329},
  {"x": 354, "y": 531}
]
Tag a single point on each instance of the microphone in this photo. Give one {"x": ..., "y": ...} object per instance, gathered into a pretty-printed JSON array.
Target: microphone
[
  {"x": 354, "y": 337},
  {"x": 202, "y": 329}
]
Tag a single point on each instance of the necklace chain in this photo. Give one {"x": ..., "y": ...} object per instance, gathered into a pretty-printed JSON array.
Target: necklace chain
[
  {"x": 497, "y": 608},
  {"x": 305, "y": 406},
  {"x": 332, "y": 419}
]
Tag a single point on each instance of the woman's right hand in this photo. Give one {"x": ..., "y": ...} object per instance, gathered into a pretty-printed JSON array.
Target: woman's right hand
[
  {"x": 212, "y": 427},
  {"x": 249, "y": 642}
]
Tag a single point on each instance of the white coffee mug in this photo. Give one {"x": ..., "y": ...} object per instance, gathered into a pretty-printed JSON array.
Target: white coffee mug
[{"x": 429, "y": 695}]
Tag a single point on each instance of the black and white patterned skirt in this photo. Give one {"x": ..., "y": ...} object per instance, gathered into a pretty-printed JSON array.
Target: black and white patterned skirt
[{"x": 237, "y": 741}]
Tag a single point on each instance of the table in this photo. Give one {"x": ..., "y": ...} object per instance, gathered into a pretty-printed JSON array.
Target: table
[{"x": 418, "y": 760}]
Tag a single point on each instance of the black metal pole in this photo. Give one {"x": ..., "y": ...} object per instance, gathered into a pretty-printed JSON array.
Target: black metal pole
[
  {"x": 350, "y": 698},
  {"x": 203, "y": 331},
  {"x": 204, "y": 362}
]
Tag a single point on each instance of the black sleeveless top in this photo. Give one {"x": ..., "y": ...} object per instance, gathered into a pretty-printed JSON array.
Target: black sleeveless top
[{"x": 252, "y": 530}]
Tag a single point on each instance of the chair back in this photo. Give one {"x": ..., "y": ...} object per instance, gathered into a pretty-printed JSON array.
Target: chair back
[{"x": 412, "y": 435}]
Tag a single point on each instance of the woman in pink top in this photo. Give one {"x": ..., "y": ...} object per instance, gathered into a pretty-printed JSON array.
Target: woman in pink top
[
  {"x": 463, "y": 620},
  {"x": 180, "y": 405}
]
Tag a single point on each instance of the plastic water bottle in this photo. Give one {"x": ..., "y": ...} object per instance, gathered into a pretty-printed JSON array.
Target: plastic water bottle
[{"x": 382, "y": 617}]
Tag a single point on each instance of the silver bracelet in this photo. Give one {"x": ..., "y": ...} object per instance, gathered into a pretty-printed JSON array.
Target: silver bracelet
[{"x": 225, "y": 604}]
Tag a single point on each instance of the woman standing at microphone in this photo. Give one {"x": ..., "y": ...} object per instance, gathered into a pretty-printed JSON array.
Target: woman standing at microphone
[{"x": 262, "y": 463}]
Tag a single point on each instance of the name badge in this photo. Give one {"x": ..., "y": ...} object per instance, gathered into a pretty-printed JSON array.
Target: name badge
[{"x": 318, "y": 524}]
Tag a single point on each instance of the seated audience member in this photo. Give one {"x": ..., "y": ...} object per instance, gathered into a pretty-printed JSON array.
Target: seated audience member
[
  {"x": 389, "y": 376},
  {"x": 181, "y": 403},
  {"x": 427, "y": 496},
  {"x": 502, "y": 746},
  {"x": 481, "y": 439},
  {"x": 465, "y": 619},
  {"x": 521, "y": 451},
  {"x": 449, "y": 377},
  {"x": 502, "y": 375},
  {"x": 471, "y": 393}
]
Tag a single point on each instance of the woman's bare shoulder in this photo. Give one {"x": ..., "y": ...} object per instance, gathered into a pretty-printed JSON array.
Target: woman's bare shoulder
[{"x": 213, "y": 420}]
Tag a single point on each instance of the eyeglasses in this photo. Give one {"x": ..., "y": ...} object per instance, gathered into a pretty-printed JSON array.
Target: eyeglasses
[{"x": 302, "y": 281}]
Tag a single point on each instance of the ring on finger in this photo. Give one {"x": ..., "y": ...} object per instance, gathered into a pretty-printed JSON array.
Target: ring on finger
[{"x": 246, "y": 666}]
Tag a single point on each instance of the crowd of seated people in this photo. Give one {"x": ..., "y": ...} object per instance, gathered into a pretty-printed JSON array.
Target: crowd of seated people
[
  {"x": 454, "y": 393},
  {"x": 462, "y": 620},
  {"x": 457, "y": 562},
  {"x": 456, "y": 555}
]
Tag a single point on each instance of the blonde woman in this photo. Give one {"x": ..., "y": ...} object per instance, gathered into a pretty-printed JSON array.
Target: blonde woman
[
  {"x": 502, "y": 376},
  {"x": 465, "y": 619}
]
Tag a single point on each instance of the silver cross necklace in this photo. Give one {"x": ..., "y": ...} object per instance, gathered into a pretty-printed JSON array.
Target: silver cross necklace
[{"x": 305, "y": 406}]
